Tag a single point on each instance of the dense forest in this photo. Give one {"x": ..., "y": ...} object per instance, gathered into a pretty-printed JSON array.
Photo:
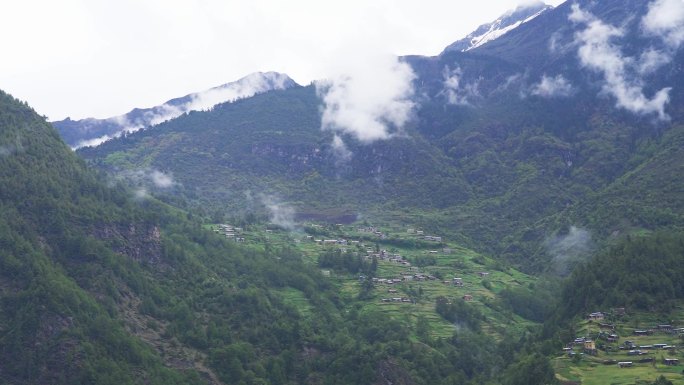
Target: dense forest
[{"x": 641, "y": 272}]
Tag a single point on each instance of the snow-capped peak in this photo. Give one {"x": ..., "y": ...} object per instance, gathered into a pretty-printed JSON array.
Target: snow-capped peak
[
  {"x": 98, "y": 131},
  {"x": 491, "y": 31}
]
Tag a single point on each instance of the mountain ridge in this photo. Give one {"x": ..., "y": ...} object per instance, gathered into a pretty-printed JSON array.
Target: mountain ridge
[
  {"x": 91, "y": 131},
  {"x": 491, "y": 31}
]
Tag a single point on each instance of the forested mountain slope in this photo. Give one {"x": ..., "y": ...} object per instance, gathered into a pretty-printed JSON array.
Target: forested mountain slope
[{"x": 100, "y": 284}]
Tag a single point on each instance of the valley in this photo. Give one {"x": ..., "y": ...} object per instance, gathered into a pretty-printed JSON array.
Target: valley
[
  {"x": 412, "y": 274},
  {"x": 509, "y": 211}
]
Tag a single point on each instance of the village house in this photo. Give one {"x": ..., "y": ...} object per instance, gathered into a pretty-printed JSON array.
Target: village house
[
  {"x": 625, "y": 364},
  {"x": 670, "y": 361},
  {"x": 590, "y": 347},
  {"x": 483, "y": 274},
  {"x": 665, "y": 328},
  {"x": 458, "y": 282},
  {"x": 432, "y": 238},
  {"x": 596, "y": 316},
  {"x": 467, "y": 297},
  {"x": 619, "y": 311}
]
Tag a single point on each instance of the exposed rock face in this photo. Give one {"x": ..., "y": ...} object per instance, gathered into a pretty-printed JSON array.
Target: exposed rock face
[
  {"x": 141, "y": 242},
  {"x": 390, "y": 373}
]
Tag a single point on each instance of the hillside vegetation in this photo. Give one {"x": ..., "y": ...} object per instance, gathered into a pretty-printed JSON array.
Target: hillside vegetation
[{"x": 100, "y": 284}]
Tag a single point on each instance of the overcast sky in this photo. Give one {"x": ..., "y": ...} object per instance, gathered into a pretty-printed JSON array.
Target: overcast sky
[{"x": 100, "y": 58}]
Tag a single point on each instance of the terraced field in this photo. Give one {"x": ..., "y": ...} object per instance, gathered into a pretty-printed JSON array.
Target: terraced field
[
  {"x": 402, "y": 289},
  {"x": 647, "y": 357}
]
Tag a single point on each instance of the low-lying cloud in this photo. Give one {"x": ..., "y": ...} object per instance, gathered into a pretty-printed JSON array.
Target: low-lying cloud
[
  {"x": 340, "y": 151},
  {"x": 7, "y": 150},
  {"x": 11, "y": 149},
  {"x": 368, "y": 96},
  {"x": 597, "y": 52},
  {"x": 144, "y": 180},
  {"x": 280, "y": 214},
  {"x": 552, "y": 87},
  {"x": 665, "y": 18},
  {"x": 569, "y": 249},
  {"x": 455, "y": 91},
  {"x": 160, "y": 179}
]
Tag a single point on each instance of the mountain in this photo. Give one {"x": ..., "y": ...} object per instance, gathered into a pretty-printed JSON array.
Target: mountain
[
  {"x": 90, "y": 131},
  {"x": 491, "y": 31},
  {"x": 102, "y": 284},
  {"x": 512, "y": 144}
]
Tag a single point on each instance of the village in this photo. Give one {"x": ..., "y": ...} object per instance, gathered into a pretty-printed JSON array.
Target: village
[
  {"x": 616, "y": 339},
  {"x": 414, "y": 269}
]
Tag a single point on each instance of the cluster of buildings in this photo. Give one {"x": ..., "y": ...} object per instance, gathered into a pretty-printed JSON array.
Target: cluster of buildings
[
  {"x": 230, "y": 232},
  {"x": 432, "y": 238},
  {"x": 372, "y": 230},
  {"x": 420, "y": 233},
  {"x": 384, "y": 255},
  {"x": 396, "y": 299},
  {"x": 629, "y": 347}
]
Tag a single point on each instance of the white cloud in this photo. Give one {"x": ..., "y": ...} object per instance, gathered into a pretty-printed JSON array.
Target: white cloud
[
  {"x": 6, "y": 151},
  {"x": 340, "y": 151},
  {"x": 665, "y": 18},
  {"x": 245, "y": 87},
  {"x": 158, "y": 115},
  {"x": 11, "y": 149},
  {"x": 550, "y": 87},
  {"x": 93, "y": 142},
  {"x": 146, "y": 179},
  {"x": 597, "y": 52},
  {"x": 568, "y": 249},
  {"x": 651, "y": 60},
  {"x": 280, "y": 214},
  {"x": 160, "y": 179},
  {"x": 250, "y": 85},
  {"x": 368, "y": 95},
  {"x": 140, "y": 194},
  {"x": 455, "y": 91}
]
